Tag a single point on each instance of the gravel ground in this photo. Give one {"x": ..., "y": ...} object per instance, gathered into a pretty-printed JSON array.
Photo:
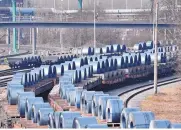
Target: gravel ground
[{"x": 166, "y": 104}]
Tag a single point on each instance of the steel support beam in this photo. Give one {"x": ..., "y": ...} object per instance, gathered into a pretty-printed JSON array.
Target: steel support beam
[{"x": 82, "y": 25}]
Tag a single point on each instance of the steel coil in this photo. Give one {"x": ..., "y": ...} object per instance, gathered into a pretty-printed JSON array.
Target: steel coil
[
  {"x": 88, "y": 101},
  {"x": 95, "y": 103},
  {"x": 72, "y": 64},
  {"x": 113, "y": 110},
  {"x": 149, "y": 44},
  {"x": 82, "y": 98},
  {"x": 143, "y": 44},
  {"x": 73, "y": 93},
  {"x": 28, "y": 105},
  {"x": 22, "y": 101},
  {"x": 46, "y": 69},
  {"x": 88, "y": 70},
  {"x": 138, "y": 120},
  {"x": 43, "y": 116},
  {"x": 123, "y": 48},
  {"x": 13, "y": 94},
  {"x": 116, "y": 48},
  {"x": 35, "y": 108},
  {"x": 155, "y": 124},
  {"x": 120, "y": 61},
  {"x": 97, "y": 126},
  {"x": 105, "y": 50},
  {"x": 78, "y": 97},
  {"x": 175, "y": 48},
  {"x": 83, "y": 73},
  {"x": 96, "y": 67},
  {"x": 59, "y": 69},
  {"x": 102, "y": 106},
  {"x": 63, "y": 89},
  {"x": 67, "y": 92},
  {"x": 56, "y": 116},
  {"x": 125, "y": 116},
  {"x": 78, "y": 62},
  {"x": 66, "y": 118},
  {"x": 51, "y": 120},
  {"x": 110, "y": 48},
  {"x": 73, "y": 74},
  {"x": 66, "y": 66},
  {"x": 102, "y": 66},
  {"x": 143, "y": 58},
  {"x": 86, "y": 51},
  {"x": 111, "y": 64},
  {"x": 81, "y": 122},
  {"x": 176, "y": 125},
  {"x": 137, "y": 47},
  {"x": 98, "y": 50}
]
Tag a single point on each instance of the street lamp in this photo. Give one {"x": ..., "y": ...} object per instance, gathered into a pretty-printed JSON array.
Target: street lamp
[{"x": 94, "y": 23}]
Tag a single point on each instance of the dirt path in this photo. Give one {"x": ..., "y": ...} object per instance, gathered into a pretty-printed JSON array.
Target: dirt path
[{"x": 166, "y": 104}]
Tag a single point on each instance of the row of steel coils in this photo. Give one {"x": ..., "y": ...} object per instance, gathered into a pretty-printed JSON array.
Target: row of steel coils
[
  {"x": 149, "y": 45},
  {"x": 35, "y": 61},
  {"x": 26, "y": 63},
  {"x": 106, "y": 49},
  {"x": 99, "y": 104}
]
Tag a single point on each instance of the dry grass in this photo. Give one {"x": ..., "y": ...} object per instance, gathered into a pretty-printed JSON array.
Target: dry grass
[{"x": 166, "y": 104}]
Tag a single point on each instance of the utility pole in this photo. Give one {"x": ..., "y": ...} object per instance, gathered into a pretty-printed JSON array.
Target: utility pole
[
  {"x": 155, "y": 45},
  {"x": 14, "y": 29},
  {"x": 19, "y": 29},
  {"x": 61, "y": 43},
  {"x": 94, "y": 23}
]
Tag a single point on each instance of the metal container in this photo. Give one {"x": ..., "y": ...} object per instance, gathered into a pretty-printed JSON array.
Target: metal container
[
  {"x": 138, "y": 120},
  {"x": 66, "y": 118},
  {"x": 81, "y": 122}
]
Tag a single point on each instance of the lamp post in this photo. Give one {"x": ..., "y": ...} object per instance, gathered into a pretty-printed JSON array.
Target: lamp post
[{"x": 94, "y": 23}]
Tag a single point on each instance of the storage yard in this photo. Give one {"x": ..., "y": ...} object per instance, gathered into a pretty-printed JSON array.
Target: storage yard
[{"x": 58, "y": 69}]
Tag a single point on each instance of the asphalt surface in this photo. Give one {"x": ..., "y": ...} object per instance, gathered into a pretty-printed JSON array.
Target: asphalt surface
[{"x": 129, "y": 87}]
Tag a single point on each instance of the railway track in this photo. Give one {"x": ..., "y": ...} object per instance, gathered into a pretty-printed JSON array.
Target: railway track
[
  {"x": 11, "y": 72},
  {"x": 130, "y": 94},
  {"x": 3, "y": 82}
]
